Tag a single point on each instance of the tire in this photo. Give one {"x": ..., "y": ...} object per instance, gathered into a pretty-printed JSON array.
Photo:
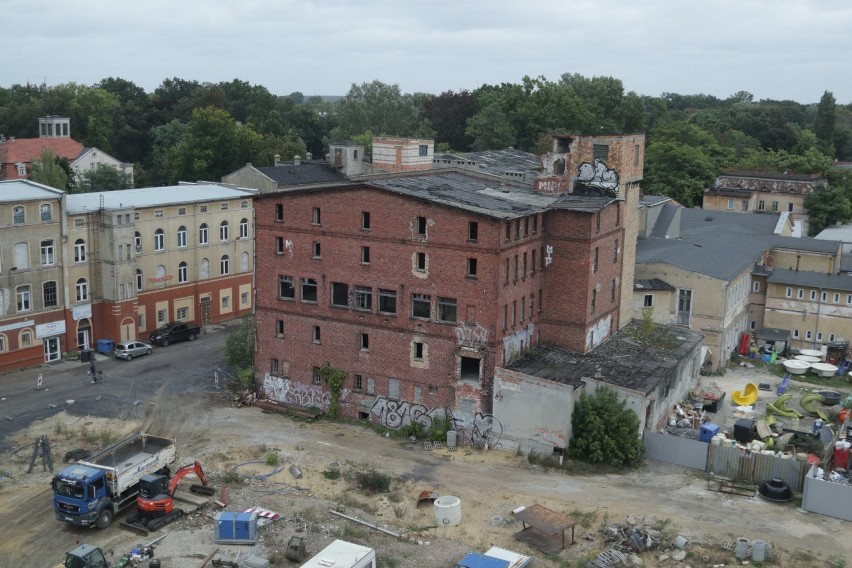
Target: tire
[
  {"x": 191, "y": 337},
  {"x": 129, "y": 357},
  {"x": 165, "y": 343},
  {"x": 148, "y": 351},
  {"x": 104, "y": 519}
]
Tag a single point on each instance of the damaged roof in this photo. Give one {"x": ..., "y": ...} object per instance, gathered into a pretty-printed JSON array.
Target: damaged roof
[
  {"x": 626, "y": 360},
  {"x": 287, "y": 174},
  {"x": 482, "y": 195}
]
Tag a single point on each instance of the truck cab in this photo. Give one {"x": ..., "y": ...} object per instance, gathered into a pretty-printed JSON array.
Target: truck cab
[{"x": 80, "y": 496}]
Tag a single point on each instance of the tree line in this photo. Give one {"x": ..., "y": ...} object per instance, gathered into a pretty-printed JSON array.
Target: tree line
[{"x": 187, "y": 130}]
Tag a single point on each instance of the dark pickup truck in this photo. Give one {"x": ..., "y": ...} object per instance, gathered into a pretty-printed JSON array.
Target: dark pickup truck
[{"x": 174, "y": 332}]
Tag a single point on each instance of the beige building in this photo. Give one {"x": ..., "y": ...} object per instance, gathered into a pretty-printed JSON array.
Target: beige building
[
  {"x": 143, "y": 257},
  {"x": 32, "y": 274},
  {"x": 402, "y": 154}
]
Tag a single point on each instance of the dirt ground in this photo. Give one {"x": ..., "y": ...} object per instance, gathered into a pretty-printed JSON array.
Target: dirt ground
[{"x": 490, "y": 484}]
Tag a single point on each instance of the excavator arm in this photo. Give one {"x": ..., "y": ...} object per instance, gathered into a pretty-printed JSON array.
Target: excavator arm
[{"x": 183, "y": 472}]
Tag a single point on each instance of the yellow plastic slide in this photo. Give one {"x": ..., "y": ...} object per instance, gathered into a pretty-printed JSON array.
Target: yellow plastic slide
[{"x": 747, "y": 397}]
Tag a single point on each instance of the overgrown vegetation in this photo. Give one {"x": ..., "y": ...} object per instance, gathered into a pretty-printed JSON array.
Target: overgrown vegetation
[
  {"x": 605, "y": 430},
  {"x": 238, "y": 352},
  {"x": 335, "y": 379},
  {"x": 372, "y": 481}
]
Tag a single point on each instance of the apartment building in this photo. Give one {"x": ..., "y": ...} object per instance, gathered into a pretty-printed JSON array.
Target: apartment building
[{"x": 33, "y": 286}]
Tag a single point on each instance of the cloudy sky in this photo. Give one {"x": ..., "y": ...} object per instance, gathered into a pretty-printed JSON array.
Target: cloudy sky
[{"x": 776, "y": 49}]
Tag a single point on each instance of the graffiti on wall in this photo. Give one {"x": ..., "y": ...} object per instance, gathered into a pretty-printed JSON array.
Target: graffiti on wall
[
  {"x": 471, "y": 335},
  {"x": 398, "y": 413},
  {"x": 597, "y": 175},
  {"x": 288, "y": 391},
  {"x": 486, "y": 430},
  {"x": 552, "y": 437}
]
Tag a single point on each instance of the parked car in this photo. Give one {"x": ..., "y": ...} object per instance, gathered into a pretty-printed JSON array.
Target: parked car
[
  {"x": 174, "y": 332},
  {"x": 130, "y": 349}
]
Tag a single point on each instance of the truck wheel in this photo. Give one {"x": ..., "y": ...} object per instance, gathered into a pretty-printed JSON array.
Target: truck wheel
[
  {"x": 104, "y": 519},
  {"x": 165, "y": 343},
  {"x": 191, "y": 337}
]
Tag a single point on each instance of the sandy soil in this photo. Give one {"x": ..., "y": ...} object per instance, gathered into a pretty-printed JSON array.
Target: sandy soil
[{"x": 489, "y": 484}]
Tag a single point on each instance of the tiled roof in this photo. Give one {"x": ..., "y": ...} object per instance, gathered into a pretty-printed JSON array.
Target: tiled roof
[{"x": 29, "y": 149}]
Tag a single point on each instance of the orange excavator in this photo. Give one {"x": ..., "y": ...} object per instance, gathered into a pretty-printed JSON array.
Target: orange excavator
[{"x": 155, "y": 504}]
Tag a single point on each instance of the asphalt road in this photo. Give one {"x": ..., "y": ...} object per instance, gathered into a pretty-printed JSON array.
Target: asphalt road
[{"x": 127, "y": 386}]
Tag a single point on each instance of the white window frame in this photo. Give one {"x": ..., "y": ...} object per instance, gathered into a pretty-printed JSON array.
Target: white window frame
[
  {"x": 223, "y": 231},
  {"x": 181, "y": 237},
  {"x": 159, "y": 240},
  {"x": 183, "y": 272},
  {"x": 202, "y": 234},
  {"x": 224, "y": 265}
]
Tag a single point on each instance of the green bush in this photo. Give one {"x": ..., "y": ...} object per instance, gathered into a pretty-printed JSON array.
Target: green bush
[
  {"x": 605, "y": 430},
  {"x": 373, "y": 481}
]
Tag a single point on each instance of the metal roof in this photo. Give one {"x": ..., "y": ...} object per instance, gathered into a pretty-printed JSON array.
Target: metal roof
[
  {"x": 78, "y": 203},
  {"x": 652, "y": 284},
  {"x": 287, "y": 174},
  {"x": 648, "y": 200},
  {"x": 836, "y": 233},
  {"x": 25, "y": 190},
  {"x": 811, "y": 279}
]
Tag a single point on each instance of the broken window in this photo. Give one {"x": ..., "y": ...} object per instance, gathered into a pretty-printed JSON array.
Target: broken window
[
  {"x": 315, "y": 216},
  {"x": 421, "y": 305},
  {"x": 309, "y": 290},
  {"x": 418, "y": 350},
  {"x": 365, "y": 255},
  {"x": 286, "y": 289},
  {"x": 421, "y": 261},
  {"x": 339, "y": 295},
  {"x": 364, "y": 299},
  {"x": 387, "y": 301},
  {"x": 421, "y": 226},
  {"x": 472, "y": 231},
  {"x": 471, "y": 267},
  {"x": 470, "y": 368},
  {"x": 365, "y": 341},
  {"x": 365, "y": 220},
  {"x": 447, "y": 310}
]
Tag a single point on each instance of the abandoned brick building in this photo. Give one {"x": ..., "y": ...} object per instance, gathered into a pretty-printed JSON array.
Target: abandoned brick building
[{"x": 418, "y": 285}]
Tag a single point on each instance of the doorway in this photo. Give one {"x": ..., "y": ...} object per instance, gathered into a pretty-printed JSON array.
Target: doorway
[
  {"x": 51, "y": 349},
  {"x": 84, "y": 334}
]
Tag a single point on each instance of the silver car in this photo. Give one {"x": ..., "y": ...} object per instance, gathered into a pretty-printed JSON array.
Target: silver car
[{"x": 131, "y": 349}]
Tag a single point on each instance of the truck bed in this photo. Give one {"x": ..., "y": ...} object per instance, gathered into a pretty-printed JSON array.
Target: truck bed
[{"x": 126, "y": 461}]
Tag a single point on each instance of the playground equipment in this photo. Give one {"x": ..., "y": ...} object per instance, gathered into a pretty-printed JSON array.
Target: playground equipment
[{"x": 747, "y": 397}]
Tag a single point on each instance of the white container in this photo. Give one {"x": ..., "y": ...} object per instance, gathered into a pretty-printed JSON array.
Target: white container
[
  {"x": 447, "y": 511},
  {"x": 796, "y": 367},
  {"x": 741, "y": 550},
  {"x": 812, "y": 353},
  {"x": 807, "y": 358},
  {"x": 823, "y": 369},
  {"x": 758, "y": 550}
]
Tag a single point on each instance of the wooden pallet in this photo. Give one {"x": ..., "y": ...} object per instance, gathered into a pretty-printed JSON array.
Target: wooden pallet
[{"x": 731, "y": 486}]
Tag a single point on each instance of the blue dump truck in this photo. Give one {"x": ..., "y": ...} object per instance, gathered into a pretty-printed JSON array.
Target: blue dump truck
[{"x": 92, "y": 491}]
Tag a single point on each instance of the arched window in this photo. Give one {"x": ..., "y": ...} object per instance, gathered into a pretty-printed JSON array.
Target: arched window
[
  {"x": 244, "y": 261},
  {"x": 18, "y": 215},
  {"x": 244, "y": 228},
  {"x": 82, "y": 290},
  {"x": 225, "y": 265},
  {"x": 204, "y": 269},
  {"x": 49, "y": 296},
  {"x": 181, "y": 237},
  {"x": 139, "y": 280},
  {"x": 202, "y": 234},
  {"x": 159, "y": 239},
  {"x": 137, "y": 240},
  {"x": 223, "y": 231},
  {"x": 79, "y": 250},
  {"x": 183, "y": 271},
  {"x": 46, "y": 212}
]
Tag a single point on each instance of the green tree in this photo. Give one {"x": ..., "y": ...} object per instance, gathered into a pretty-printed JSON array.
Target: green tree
[
  {"x": 103, "y": 178},
  {"x": 605, "y": 430},
  {"x": 375, "y": 106},
  {"x": 824, "y": 122},
  {"x": 46, "y": 170},
  {"x": 490, "y": 129},
  {"x": 448, "y": 113},
  {"x": 827, "y": 206},
  {"x": 238, "y": 351}
]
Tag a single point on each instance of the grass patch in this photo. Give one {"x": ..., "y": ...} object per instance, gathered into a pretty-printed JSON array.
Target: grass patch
[
  {"x": 585, "y": 519},
  {"x": 332, "y": 475},
  {"x": 272, "y": 459}
]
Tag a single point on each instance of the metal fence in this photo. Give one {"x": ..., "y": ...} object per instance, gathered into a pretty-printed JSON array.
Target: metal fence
[
  {"x": 674, "y": 449},
  {"x": 724, "y": 461},
  {"x": 826, "y": 497}
]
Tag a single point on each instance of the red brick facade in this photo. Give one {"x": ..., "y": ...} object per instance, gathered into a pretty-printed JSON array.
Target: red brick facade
[{"x": 501, "y": 285}]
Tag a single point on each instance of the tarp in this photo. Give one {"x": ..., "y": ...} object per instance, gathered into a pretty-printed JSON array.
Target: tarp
[{"x": 476, "y": 560}]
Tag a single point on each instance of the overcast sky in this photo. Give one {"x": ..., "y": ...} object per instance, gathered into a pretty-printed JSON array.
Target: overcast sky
[{"x": 774, "y": 49}]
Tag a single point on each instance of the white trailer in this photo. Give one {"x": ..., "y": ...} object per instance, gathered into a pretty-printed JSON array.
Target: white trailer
[{"x": 342, "y": 554}]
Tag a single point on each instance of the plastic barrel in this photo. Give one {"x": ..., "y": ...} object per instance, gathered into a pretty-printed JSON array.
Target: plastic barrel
[
  {"x": 451, "y": 438},
  {"x": 758, "y": 549},
  {"x": 741, "y": 550}
]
